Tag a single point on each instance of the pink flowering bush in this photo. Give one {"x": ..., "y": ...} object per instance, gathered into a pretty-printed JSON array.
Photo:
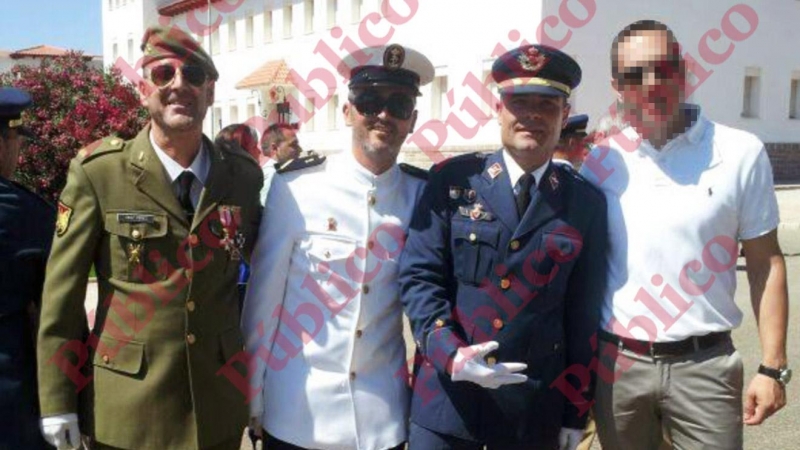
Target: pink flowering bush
[{"x": 74, "y": 104}]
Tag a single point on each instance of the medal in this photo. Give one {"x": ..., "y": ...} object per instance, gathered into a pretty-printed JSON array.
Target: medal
[{"x": 232, "y": 239}]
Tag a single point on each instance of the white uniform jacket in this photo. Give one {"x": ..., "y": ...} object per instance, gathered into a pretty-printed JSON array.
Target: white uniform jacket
[{"x": 322, "y": 314}]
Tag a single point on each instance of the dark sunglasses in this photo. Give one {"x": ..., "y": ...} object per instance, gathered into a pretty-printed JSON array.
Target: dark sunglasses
[
  {"x": 163, "y": 75},
  {"x": 635, "y": 75},
  {"x": 370, "y": 104}
]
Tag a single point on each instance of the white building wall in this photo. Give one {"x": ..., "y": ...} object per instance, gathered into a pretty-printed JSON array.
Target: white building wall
[{"x": 459, "y": 36}]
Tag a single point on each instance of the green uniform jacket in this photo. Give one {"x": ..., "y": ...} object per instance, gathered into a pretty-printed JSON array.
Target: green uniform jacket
[{"x": 168, "y": 315}]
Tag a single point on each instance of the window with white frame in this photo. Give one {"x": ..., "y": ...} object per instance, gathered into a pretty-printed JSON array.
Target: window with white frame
[
  {"x": 267, "y": 26},
  {"x": 355, "y": 10},
  {"x": 231, "y": 34},
  {"x": 438, "y": 96},
  {"x": 752, "y": 92},
  {"x": 249, "y": 26},
  {"x": 333, "y": 113},
  {"x": 234, "y": 115},
  {"x": 216, "y": 120},
  {"x": 287, "y": 21},
  {"x": 794, "y": 96},
  {"x": 114, "y": 52},
  {"x": 308, "y": 16},
  {"x": 110, "y": 5},
  {"x": 251, "y": 111},
  {"x": 130, "y": 50},
  {"x": 309, "y": 125},
  {"x": 333, "y": 9},
  {"x": 214, "y": 42}
]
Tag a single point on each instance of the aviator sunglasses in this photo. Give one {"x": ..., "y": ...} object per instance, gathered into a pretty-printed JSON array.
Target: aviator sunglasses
[
  {"x": 163, "y": 75},
  {"x": 370, "y": 104}
]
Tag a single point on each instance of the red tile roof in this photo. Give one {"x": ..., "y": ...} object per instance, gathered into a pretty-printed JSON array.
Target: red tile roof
[
  {"x": 39, "y": 51},
  {"x": 274, "y": 72},
  {"x": 176, "y": 7}
]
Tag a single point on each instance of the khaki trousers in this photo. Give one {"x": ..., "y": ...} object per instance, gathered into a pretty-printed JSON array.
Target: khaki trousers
[{"x": 689, "y": 402}]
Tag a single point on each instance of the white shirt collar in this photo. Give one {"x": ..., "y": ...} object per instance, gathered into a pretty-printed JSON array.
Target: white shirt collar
[
  {"x": 515, "y": 171},
  {"x": 199, "y": 167}
]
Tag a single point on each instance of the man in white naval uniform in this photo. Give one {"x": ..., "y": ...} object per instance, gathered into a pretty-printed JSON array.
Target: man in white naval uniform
[{"x": 322, "y": 315}]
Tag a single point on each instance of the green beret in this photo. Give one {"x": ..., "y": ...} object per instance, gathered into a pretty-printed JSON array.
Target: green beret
[{"x": 162, "y": 42}]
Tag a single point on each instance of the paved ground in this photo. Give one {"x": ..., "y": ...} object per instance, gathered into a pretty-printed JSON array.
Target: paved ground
[{"x": 781, "y": 432}]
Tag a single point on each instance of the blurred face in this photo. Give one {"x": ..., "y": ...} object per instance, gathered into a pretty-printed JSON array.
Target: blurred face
[
  {"x": 381, "y": 118},
  {"x": 179, "y": 96},
  {"x": 9, "y": 152},
  {"x": 288, "y": 148},
  {"x": 530, "y": 126},
  {"x": 650, "y": 81}
]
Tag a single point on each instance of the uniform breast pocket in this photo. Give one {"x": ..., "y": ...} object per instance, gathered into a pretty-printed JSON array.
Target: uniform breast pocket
[
  {"x": 326, "y": 254},
  {"x": 132, "y": 236},
  {"x": 474, "y": 246}
]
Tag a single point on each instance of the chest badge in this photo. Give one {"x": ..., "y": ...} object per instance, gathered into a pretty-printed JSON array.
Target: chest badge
[{"x": 332, "y": 224}]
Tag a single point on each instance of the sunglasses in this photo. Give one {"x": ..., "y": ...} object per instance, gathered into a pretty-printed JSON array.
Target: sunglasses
[
  {"x": 163, "y": 75},
  {"x": 370, "y": 104},
  {"x": 635, "y": 75}
]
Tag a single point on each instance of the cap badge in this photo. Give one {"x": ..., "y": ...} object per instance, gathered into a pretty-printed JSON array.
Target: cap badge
[
  {"x": 532, "y": 60},
  {"x": 394, "y": 56}
]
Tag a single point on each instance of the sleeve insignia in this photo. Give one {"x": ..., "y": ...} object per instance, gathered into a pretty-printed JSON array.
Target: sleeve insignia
[{"x": 62, "y": 221}]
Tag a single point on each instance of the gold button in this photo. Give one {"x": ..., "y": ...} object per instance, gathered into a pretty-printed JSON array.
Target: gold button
[
  {"x": 190, "y": 338},
  {"x": 106, "y": 359},
  {"x": 505, "y": 283},
  {"x": 439, "y": 323},
  {"x": 190, "y": 305},
  {"x": 370, "y": 245},
  {"x": 497, "y": 324},
  {"x": 359, "y": 333},
  {"x": 514, "y": 245},
  {"x": 491, "y": 361},
  {"x": 193, "y": 239},
  {"x": 189, "y": 274},
  {"x": 473, "y": 237},
  {"x": 136, "y": 235},
  {"x": 372, "y": 199},
  {"x": 365, "y": 289},
  {"x": 352, "y": 376}
]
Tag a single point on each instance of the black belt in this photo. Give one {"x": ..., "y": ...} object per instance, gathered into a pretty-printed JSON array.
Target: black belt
[{"x": 667, "y": 349}]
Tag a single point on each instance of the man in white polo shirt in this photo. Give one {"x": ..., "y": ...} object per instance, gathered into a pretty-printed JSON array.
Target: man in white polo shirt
[{"x": 682, "y": 191}]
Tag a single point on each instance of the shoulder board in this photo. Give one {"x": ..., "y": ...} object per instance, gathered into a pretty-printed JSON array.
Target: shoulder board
[
  {"x": 303, "y": 162},
  {"x": 111, "y": 144},
  {"x": 414, "y": 171}
]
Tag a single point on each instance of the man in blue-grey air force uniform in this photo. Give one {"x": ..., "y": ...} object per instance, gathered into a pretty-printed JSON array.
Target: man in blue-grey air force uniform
[
  {"x": 26, "y": 231},
  {"x": 322, "y": 315},
  {"x": 502, "y": 276}
]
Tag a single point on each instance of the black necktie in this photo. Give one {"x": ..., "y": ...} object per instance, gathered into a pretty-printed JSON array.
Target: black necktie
[
  {"x": 524, "y": 196},
  {"x": 185, "y": 180}
]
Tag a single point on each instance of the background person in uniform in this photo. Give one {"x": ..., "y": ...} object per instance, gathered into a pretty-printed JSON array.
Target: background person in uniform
[
  {"x": 280, "y": 145},
  {"x": 571, "y": 148},
  {"x": 682, "y": 190},
  {"x": 241, "y": 135},
  {"x": 26, "y": 231},
  {"x": 331, "y": 365},
  {"x": 502, "y": 276},
  {"x": 165, "y": 219}
]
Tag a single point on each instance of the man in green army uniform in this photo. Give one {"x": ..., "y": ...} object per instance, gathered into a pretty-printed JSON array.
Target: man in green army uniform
[{"x": 165, "y": 219}]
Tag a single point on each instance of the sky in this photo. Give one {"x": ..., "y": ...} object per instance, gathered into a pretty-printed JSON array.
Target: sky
[{"x": 71, "y": 24}]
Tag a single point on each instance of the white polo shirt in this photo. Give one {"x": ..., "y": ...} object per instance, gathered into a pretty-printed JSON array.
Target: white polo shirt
[{"x": 675, "y": 217}]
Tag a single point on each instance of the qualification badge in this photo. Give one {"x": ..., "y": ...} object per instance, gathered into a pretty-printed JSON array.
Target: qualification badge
[{"x": 135, "y": 254}]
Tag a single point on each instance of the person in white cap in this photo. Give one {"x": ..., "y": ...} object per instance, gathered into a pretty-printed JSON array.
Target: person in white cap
[{"x": 322, "y": 315}]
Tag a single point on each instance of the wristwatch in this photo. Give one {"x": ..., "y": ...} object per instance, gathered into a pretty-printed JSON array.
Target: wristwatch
[{"x": 782, "y": 375}]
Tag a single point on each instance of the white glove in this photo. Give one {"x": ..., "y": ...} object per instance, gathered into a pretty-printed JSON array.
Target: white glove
[
  {"x": 569, "y": 438},
  {"x": 62, "y": 431},
  {"x": 468, "y": 365}
]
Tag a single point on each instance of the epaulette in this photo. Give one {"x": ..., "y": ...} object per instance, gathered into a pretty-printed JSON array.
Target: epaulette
[
  {"x": 99, "y": 147},
  {"x": 414, "y": 171},
  {"x": 302, "y": 162}
]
